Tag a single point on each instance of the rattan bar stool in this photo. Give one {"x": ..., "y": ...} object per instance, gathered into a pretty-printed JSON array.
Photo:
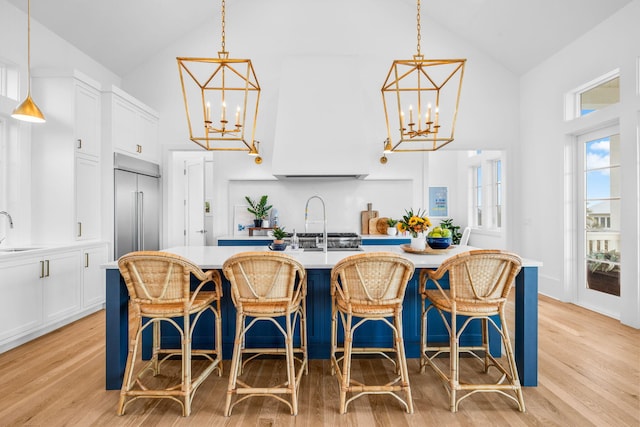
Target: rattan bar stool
[
  {"x": 479, "y": 284},
  {"x": 159, "y": 286},
  {"x": 369, "y": 287},
  {"x": 267, "y": 287}
]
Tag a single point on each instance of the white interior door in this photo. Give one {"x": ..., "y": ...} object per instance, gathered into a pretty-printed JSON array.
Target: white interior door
[{"x": 194, "y": 204}]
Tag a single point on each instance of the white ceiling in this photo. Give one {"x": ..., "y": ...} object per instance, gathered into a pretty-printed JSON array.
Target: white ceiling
[{"x": 121, "y": 34}]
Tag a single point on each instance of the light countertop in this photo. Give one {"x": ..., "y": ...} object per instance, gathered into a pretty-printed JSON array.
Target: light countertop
[{"x": 212, "y": 257}]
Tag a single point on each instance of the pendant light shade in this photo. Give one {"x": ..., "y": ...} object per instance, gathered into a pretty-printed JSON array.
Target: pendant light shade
[{"x": 28, "y": 111}]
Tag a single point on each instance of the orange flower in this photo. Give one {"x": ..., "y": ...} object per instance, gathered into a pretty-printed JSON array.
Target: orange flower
[{"x": 414, "y": 223}]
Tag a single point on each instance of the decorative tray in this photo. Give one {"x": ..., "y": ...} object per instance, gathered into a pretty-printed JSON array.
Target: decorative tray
[{"x": 427, "y": 251}]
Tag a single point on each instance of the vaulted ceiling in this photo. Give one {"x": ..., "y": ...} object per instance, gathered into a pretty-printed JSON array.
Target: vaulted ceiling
[{"x": 121, "y": 34}]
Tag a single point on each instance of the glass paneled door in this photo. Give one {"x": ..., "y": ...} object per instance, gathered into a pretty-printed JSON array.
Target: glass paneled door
[{"x": 599, "y": 243}]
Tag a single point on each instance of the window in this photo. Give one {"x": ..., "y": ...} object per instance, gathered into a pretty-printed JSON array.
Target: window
[
  {"x": 602, "y": 214},
  {"x": 593, "y": 96},
  {"x": 477, "y": 196},
  {"x": 486, "y": 197},
  {"x": 497, "y": 194},
  {"x": 9, "y": 81},
  {"x": 598, "y": 97}
]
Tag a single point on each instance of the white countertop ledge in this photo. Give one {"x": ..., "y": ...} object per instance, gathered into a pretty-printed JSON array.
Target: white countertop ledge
[{"x": 212, "y": 257}]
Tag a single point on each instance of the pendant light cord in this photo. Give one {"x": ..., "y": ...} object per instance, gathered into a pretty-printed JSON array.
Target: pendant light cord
[
  {"x": 418, "y": 26},
  {"x": 223, "y": 26},
  {"x": 29, "y": 48}
]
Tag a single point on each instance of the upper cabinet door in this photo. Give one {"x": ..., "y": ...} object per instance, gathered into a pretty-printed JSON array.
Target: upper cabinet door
[
  {"x": 125, "y": 126},
  {"x": 87, "y": 119},
  {"x": 134, "y": 130}
]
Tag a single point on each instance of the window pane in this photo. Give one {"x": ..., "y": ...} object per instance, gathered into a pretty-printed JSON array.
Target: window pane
[
  {"x": 603, "y": 184},
  {"x": 602, "y": 215},
  {"x": 603, "y": 95}
]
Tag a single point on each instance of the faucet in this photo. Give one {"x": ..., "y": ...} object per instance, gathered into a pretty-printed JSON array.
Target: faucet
[
  {"x": 10, "y": 222},
  {"x": 324, "y": 221}
]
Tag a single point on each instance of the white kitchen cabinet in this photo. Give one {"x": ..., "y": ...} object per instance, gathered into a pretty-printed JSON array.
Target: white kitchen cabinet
[
  {"x": 65, "y": 160},
  {"x": 87, "y": 118},
  {"x": 87, "y": 198},
  {"x": 131, "y": 127},
  {"x": 93, "y": 277},
  {"x": 20, "y": 297},
  {"x": 44, "y": 289},
  {"x": 61, "y": 285}
]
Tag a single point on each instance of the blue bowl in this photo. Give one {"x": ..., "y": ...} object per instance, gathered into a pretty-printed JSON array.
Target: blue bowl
[
  {"x": 439, "y": 242},
  {"x": 278, "y": 246}
]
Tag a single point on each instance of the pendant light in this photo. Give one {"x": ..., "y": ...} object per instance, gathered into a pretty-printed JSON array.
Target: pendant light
[
  {"x": 28, "y": 111},
  {"x": 428, "y": 90},
  {"x": 221, "y": 97}
]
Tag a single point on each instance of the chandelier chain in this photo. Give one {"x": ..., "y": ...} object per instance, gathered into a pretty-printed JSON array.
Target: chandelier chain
[
  {"x": 223, "y": 26},
  {"x": 418, "y": 26}
]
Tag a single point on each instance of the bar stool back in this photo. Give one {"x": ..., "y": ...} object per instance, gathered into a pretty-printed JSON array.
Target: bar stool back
[
  {"x": 159, "y": 287},
  {"x": 479, "y": 284},
  {"x": 369, "y": 287},
  {"x": 267, "y": 286}
]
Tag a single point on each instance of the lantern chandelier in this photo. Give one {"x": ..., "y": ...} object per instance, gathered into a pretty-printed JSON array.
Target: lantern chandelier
[
  {"x": 429, "y": 89},
  {"x": 221, "y": 97}
]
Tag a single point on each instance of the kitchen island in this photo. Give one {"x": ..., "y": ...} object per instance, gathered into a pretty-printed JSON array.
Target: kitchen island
[{"x": 318, "y": 266}]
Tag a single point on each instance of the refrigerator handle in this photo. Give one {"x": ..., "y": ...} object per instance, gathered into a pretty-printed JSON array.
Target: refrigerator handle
[
  {"x": 136, "y": 221},
  {"x": 141, "y": 221}
]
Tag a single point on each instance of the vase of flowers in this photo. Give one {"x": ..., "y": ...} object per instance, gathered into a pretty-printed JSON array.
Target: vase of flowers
[{"x": 416, "y": 224}]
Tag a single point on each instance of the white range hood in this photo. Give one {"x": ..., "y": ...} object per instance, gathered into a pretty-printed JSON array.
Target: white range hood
[{"x": 320, "y": 119}]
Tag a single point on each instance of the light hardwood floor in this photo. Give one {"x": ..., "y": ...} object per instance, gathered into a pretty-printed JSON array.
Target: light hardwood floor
[{"x": 589, "y": 375}]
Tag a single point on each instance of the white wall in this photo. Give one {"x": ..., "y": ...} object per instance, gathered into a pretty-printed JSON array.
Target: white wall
[
  {"x": 545, "y": 227},
  {"x": 49, "y": 52},
  {"x": 374, "y": 30}
]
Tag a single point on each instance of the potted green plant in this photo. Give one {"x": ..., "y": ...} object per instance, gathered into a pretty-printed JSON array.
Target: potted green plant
[
  {"x": 391, "y": 226},
  {"x": 455, "y": 230},
  {"x": 279, "y": 234},
  {"x": 259, "y": 209},
  {"x": 278, "y": 239}
]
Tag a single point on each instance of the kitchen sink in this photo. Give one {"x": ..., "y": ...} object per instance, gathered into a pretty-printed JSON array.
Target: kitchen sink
[
  {"x": 358, "y": 249},
  {"x": 9, "y": 250}
]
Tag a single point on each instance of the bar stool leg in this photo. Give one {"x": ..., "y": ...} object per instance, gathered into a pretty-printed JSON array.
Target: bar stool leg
[
  {"x": 402, "y": 361},
  {"x": 346, "y": 363},
  {"x": 235, "y": 362},
  {"x": 512, "y": 362},
  {"x": 291, "y": 371}
]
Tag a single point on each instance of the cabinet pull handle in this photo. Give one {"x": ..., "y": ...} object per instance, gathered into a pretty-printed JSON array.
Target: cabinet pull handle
[
  {"x": 139, "y": 148},
  {"x": 47, "y": 275},
  {"x": 79, "y": 143},
  {"x": 41, "y": 269},
  {"x": 79, "y": 229},
  {"x": 86, "y": 260}
]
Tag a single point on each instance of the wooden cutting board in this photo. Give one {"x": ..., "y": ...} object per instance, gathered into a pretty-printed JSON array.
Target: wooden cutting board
[
  {"x": 382, "y": 225},
  {"x": 365, "y": 216},
  {"x": 373, "y": 226},
  {"x": 378, "y": 225}
]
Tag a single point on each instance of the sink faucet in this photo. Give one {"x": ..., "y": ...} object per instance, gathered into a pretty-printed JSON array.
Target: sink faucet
[
  {"x": 10, "y": 222},
  {"x": 324, "y": 221}
]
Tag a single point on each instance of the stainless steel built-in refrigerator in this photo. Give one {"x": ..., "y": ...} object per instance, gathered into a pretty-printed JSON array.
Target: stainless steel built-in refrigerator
[{"x": 137, "y": 205}]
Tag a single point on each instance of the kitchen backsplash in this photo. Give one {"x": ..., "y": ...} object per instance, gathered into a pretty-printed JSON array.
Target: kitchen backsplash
[{"x": 344, "y": 200}]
